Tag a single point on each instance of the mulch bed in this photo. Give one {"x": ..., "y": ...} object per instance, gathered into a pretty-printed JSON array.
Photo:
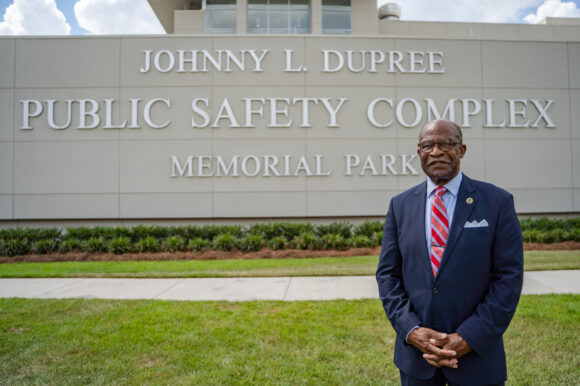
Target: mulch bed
[{"x": 221, "y": 255}]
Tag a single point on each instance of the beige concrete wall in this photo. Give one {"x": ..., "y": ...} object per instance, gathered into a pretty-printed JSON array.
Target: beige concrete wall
[
  {"x": 164, "y": 10},
  {"x": 364, "y": 17},
  {"x": 242, "y": 16},
  {"x": 316, "y": 17},
  {"x": 124, "y": 174},
  {"x": 479, "y": 31},
  {"x": 189, "y": 22}
]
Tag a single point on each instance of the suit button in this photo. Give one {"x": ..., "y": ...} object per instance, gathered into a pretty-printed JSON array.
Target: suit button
[{"x": 435, "y": 290}]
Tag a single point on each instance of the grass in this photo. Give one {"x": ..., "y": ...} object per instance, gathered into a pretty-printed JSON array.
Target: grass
[
  {"x": 155, "y": 342},
  {"x": 338, "y": 266},
  {"x": 551, "y": 260},
  {"x": 80, "y": 341},
  {"x": 542, "y": 347}
]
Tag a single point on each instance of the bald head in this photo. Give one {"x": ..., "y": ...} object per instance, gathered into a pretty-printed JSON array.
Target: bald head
[{"x": 442, "y": 123}]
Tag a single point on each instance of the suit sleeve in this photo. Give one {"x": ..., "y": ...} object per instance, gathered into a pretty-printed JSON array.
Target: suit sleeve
[
  {"x": 493, "y": 315},
  {"x": 390, "y": 281}
]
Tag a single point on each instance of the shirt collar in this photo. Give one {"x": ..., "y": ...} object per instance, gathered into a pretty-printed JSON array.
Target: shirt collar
[{"x": 452, "y": 186}]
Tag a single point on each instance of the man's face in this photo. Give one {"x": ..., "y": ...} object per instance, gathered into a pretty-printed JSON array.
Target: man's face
[{"x": 440, "y": 165}]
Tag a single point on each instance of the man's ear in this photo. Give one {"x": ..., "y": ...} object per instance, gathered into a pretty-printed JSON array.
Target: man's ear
[{"x": 462, "y": 150}]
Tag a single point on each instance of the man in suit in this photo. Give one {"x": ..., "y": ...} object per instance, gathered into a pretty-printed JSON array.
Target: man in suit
[{"x": 451, "y": 269}]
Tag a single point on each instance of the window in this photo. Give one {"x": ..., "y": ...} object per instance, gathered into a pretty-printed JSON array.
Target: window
[
  {"x": 279, "y": 16},
  {"x": 336, "y": 17},
  {"x": 220, "y": 16}
]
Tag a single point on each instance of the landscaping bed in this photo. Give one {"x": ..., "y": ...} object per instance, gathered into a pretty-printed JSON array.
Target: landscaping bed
[
  {"x": 265, "y": 253},
  {"x": 220, "y": 242}
]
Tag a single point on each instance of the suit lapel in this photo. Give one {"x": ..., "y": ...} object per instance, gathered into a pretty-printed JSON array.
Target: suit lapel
[
  {"x": 418, "y": 212},
  {"x": 466, "y": 201}
]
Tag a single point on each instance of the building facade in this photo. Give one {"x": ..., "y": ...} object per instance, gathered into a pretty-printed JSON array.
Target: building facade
[{"x": 274, "y": 110}]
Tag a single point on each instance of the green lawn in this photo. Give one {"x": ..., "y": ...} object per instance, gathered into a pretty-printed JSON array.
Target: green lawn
[
  {"x": 79, "y": 341},
  {"x": 338, "y": 266},
  {"x": 551, "y": 260}
]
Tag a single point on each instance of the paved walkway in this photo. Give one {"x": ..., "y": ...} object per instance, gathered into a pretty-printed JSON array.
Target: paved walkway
[{"x": 243, "y": 289}]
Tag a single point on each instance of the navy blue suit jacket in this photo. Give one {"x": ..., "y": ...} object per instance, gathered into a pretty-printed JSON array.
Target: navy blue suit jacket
[{"x": 477, "y": 287}]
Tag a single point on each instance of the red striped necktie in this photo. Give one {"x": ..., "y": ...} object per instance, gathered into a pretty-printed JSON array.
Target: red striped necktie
[{"x": 439, "y": 229}]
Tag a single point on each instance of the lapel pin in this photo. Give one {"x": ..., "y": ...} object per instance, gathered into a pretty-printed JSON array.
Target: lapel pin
[{"x": 469, "y": 200}]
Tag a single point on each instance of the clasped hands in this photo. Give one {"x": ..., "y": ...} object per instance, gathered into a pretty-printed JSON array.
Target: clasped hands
[{"x": 439, "y": 349}]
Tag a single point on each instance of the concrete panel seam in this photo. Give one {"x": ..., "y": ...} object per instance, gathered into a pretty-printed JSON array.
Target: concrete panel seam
[
  {"x": 167, "y": 289},
  {"x": 62, "y": 285},
  {"x": 119, "y": 90},
  {"x": 285, "y": 297},
  {"x": 13, "y": 125}
]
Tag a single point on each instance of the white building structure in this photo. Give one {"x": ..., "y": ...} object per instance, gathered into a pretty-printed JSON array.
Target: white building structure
[{"x": 254, "y": 110}]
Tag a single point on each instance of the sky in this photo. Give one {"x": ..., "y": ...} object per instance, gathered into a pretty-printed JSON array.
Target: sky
[{"x": 120, "y": 17}]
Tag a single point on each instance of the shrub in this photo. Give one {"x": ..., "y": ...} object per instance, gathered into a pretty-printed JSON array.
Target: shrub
[
  {"x": 252, "y": 243},
  {"x": 277, "y": 229},
  {"x": 265, "y": 230},
  {"x": 361, "y": 241},
  {"x": 159, "y": 232},
  {"x": 378, "y": 238},
  {"x": 37, "y": 234},
  {"x": 151, "y": 238},
  {"x": 123, "y": 232},
  {"x": 277, "y": 243},
  {"x": 139, "y": 232},
  {"x": 15, "y": 233},
  {"x": 45, "y": 246},
  {"x": 552, "y": 236},
  {"x": 368, "y": 228},
  {"x": 80, "y": 233},
  {"x": 15, "y": 247},
  {"x": 545, "y": 224},
  {"x": 237, "y": 231},
  {"x": 208, "y": 232},
  {"x": 6, "y": 234},
  {"x": 186, "y": 232},
  {"x": 148, "y": 244},
  {"x": 573, "y": 234},
  {"x": 69, "y": 245},
  {"x": 31, "y": 234},
  {"x": 333, "y": 241},
  {"x": 225, "y": 242},
  {"x": 292, "y": 230},
  {"x": 174, "y": 244},
  {"x": 96, "y": 245},
  {"x": 340, "y": 228},
  {"x": 101, "y": 232},
  {"x": 120, "y": 245},
  {"x": 198, "y": 244},
  {"x": 530, "y": 236},
  {"x": 306, "y": 240}
]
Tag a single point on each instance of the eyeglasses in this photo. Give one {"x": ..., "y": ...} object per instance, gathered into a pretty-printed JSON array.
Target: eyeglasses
[{"x": 427, "y": 147}]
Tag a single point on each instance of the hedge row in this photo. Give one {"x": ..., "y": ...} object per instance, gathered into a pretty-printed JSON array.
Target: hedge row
[
  {"x": 546, "y": 224},
  {"x": 154, "y": 238},
  {"x": 544, "y": 230},
  {"x": 141, "y": 238}
]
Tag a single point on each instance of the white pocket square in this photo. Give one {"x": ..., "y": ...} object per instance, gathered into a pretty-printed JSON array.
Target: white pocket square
[{"x": 475, "y": 224}]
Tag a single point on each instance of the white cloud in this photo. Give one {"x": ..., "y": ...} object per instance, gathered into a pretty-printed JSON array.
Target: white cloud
[
  {"x": 106, "y": 17},
  {"x": 553, "y": 8},
  {"x": 34, "y": 17},
  {"x": 492, "y": 11}
]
